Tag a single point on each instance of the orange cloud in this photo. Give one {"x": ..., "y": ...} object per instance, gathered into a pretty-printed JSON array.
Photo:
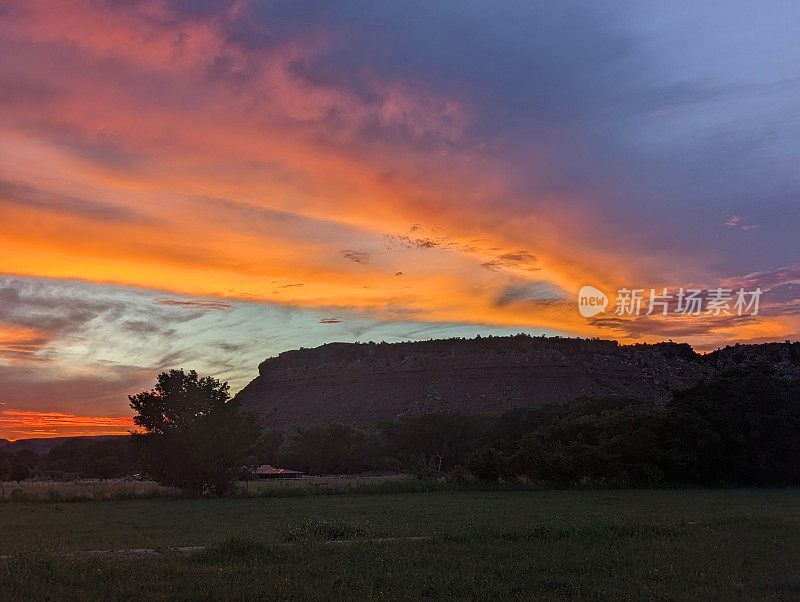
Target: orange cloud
[
  {"x": 21, "y": 344},
  {"x": 17, "y": 424},
  {"x": 213, "y": 168}
]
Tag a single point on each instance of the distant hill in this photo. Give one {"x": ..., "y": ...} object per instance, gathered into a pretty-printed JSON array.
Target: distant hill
[
  {"x": 44, "y": 445},
  {"x": 363, "y": 383}
]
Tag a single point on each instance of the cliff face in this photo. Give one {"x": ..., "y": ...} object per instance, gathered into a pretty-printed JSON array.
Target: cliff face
[{"x": 364, "y": 383}]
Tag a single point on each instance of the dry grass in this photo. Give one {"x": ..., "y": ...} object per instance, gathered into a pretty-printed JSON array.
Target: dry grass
[
  {"x": 83, "y": 490},
  {"x": 121, "y": 489}
]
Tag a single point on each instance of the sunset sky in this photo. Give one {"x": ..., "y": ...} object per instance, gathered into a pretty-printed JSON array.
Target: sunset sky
[{"x": 206, "y": 184}]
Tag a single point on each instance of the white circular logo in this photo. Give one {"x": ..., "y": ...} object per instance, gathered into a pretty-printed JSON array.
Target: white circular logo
[{"x": 591, "y": 301}]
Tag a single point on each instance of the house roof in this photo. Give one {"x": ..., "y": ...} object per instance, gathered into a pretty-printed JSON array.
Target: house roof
[{"x": 266, "y": 469}]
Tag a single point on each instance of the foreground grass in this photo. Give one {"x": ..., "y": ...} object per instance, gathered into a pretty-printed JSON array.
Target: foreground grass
[
  {"x": 121, "y": 489},
  {"x": 723, "y": 544}
]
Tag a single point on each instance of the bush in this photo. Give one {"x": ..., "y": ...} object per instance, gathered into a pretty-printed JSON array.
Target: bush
[
  {"x": 102, "y": 468},
  {"x": 486, "y": 463}
]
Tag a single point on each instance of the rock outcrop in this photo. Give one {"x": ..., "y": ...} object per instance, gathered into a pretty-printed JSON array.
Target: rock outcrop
[{"x": 364, "y": 383}]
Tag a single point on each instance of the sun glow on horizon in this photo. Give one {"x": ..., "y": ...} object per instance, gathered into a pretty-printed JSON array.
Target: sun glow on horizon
[{"x": 23, "y": 424}]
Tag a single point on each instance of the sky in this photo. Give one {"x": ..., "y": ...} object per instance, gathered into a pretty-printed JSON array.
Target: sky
[{"x": 201, "y": 185}]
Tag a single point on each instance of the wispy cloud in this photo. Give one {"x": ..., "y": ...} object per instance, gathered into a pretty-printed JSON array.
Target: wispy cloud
[
  {"x": 235, "y": 160},
  {"x": 736, "y": 221},
  {"x": 194, "y": 304},
  {"x": 357, "y": 255},
  {"x": 522, "y": 260}
]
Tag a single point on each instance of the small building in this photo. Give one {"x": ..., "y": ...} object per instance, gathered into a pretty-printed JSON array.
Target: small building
[{"x": 268, "y": 472}]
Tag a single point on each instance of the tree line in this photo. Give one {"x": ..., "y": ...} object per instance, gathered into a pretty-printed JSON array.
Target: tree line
[
  {"x": 740, "y": 427},
  {"x": 77, "y": 458}
]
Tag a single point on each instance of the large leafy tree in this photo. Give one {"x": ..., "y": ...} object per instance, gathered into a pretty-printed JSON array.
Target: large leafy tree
[{"x": 194, "y": 436}]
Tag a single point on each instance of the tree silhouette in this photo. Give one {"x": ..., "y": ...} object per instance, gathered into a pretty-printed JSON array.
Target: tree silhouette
[{"x": 194, "y": 436}]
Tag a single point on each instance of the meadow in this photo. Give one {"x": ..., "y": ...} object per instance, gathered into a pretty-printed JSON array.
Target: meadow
[{"x": 453, "y": 544}]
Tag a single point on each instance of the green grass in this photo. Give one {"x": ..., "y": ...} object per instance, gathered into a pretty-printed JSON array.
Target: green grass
[{"x": 597, "y": 545}]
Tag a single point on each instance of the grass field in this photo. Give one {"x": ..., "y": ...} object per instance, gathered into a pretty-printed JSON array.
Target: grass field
[
  {"x": 597, "y": 545},
  {"x": 121, "y": 489}
]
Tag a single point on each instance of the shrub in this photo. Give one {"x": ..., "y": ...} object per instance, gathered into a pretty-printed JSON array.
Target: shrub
[{"x": 486, "y": 463}]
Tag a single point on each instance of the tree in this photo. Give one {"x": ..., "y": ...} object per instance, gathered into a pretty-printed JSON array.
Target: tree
[
  {"x": 436, "y": 441},
  {"x": 102, "y": 468},
  {"x": 486, "y": 464},
  {"x": 335, "y": 448},
  {"x": 739, "y": 427},
  {"x": 6, "y": 466},
  {"x": 604, "y": 439},
  {"x": 271, "y": 442},
  {"x": 194, "y": 436},
  {"x": 22, "y": 463}
]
